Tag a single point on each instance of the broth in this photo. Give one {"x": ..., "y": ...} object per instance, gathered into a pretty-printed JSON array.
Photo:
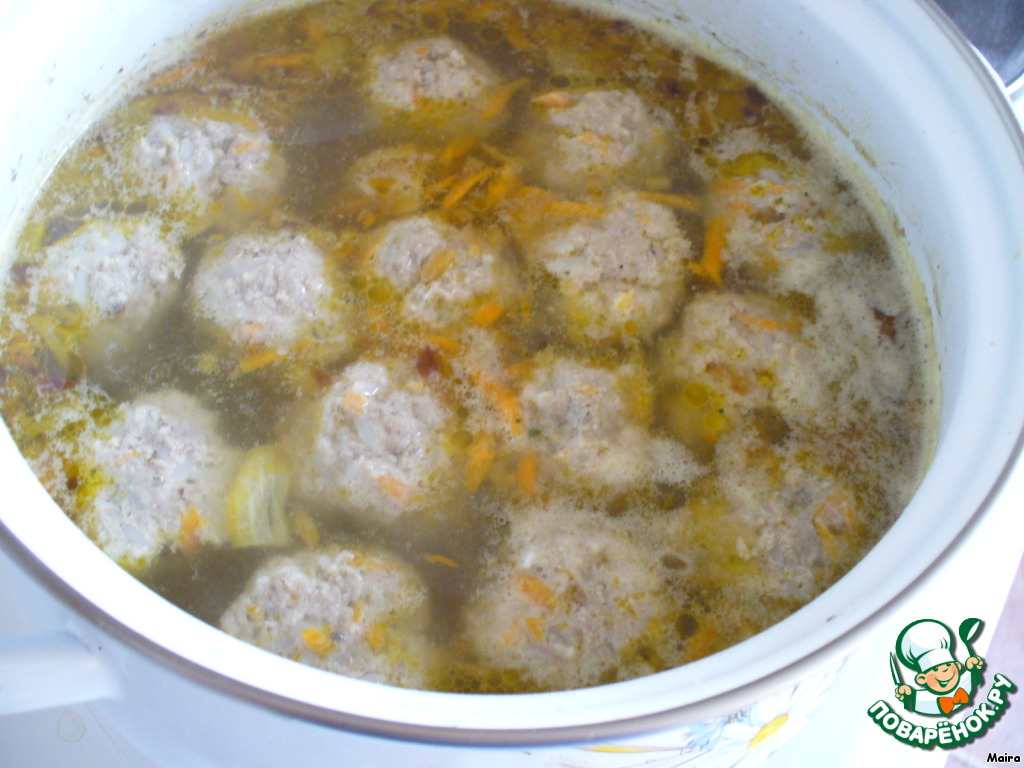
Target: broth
[{"x": 481, "y": 347}]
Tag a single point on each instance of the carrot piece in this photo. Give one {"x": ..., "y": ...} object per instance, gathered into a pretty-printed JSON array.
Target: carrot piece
[
  {"x": 172, "y": 77},
  {"x": 317, "y": 640},
  {"x": 837, "y": 504},
  {"x": 526, "y": 474},
  {"x": 443, "y": 343},
  {"x": 306, "y": 529},
  {"x": 393, "y": 487},
  {"x": 441, "y": 560},
  {"x": 553, "y": 100},
  {"x": 464, "y": 186},
  {"x": 375, "y": 636},
  {"x": 690, "y": 203},
  {"x": 259, "y": 360},
  {"x": 760, "y": 323},
  {"x": 710, "y": 265},
  {"x": 502, "y": 398},
  {"x": 705, "y": 641},
  {"x": 283, "y": 60},
  {"x": 255, "y": 613},
  {"x": 536, "y": 628},
  {"x": 355, "y": 401},
  {"x": 188, "y": 534},
  {"x": 439, "y": 262},
  {"x": 480, "y": 458},
  {"x": 487, "y": 314},
  {"x": 550, "y": 203},
  {"x": 502, "y": 185},
  {"x": 441, "y": 186},
  {"x": 536, "y": 591},
  {"x": 456, "y": 150},
  {"x": 500, "y": 97}
]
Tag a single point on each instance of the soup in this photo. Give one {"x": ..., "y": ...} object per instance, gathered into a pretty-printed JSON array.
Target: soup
[{"x": 480, "y": 347}]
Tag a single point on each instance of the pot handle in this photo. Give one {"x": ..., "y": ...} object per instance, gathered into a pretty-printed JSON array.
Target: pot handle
[{"x": 53, "y": 669}]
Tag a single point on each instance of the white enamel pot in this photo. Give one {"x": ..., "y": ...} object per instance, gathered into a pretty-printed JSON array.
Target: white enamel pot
[{"x": 902, "y": 98}]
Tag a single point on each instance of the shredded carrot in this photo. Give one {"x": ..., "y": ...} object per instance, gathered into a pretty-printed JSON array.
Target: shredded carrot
[
  {"x": 366, "y": 218},
  {"x": 526, "y": 474},
  {"x": 439, "y": 262},
  {"x": 464, "y": 186},
  {"x": 393, "y": 487},
  {"x": 837, "y": 501},
  {"x": 382, "y": 184},
  {"x": 317, "y": 640},
  {"x": 552, "y": 204},
  {"x": 502, "y": 185},
  {"x": 502, "y": 398},
  {"x": 441, "y": 560},
  {"x": 355, "y": 401},
  {"x": 704, "y": 641},
  {"x": 496, "y": 154},
  {"x": 690, "y": 203},
  {"x": 306, "y": 529},
  {"x": 191, "y": 522},
  {"x": 480, "y": 457},
  {"x": 598, "y": 143},
  {"x": 441, "y": 186},
  {"x": 760, "y": 323},
  {"x": 284, "y": 60},
  {"x": 499, "y": 98},
  {"x": 553, "y": 100},
  {"x": 443, "y": 343},
  {"x": 456, "y": 150},
  {"x": 255, "y": 612},
  {"x": 375, "y": 637},
  {"x": 710, "y": 265},
  {"x": 172, "y": 77},
  {"x": 259, "y": 360},
  {"x": 487, "y": 314},
  {"x": 536, "y": 628},
  {"x": 536, "y": 591}
]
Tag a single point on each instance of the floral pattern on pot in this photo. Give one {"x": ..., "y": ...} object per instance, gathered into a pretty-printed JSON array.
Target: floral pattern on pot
[{"x": 743, "y": 739}]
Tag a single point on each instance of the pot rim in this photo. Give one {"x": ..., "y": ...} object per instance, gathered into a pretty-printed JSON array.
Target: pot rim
[{"x": 726, "y": 698}]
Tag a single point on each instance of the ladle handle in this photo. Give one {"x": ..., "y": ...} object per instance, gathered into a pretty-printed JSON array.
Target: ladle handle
[{"x": 53, "y": 669}]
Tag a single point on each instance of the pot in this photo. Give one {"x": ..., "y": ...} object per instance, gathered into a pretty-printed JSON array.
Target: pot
[{"x": 905, "y": 102}]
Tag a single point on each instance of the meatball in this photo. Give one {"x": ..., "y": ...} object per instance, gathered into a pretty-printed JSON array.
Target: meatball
[
  {"x": 735, "y": 353},
  {"x": 122, "y": 273},
  {"x": 155, "y": 477},
  {"x": 443, "y": 273},
  {"x": 345, "y": 609},
  {"x": 796, "y": 524},
  {"x": 272, "y": 291},
  {"x": 586, "y": 425},
  {"x": 195, "y": 160},
  {"x": 583, "y": 141},
  {"x": 618, "y": 276},
  {"x": 786, "y": 219},
  {"x": 378, "y": 446},
  {"x": 431, "y": 83},
  {"x": 390, "y": 181},
  {"x": 569, "y": 600}
]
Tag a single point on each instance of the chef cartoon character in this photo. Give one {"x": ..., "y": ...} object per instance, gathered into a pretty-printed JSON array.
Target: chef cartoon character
[{"x": 927, "y": 645}]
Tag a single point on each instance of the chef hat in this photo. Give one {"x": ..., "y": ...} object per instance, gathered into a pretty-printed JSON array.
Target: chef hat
[{"x": 925, "y": 644}]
